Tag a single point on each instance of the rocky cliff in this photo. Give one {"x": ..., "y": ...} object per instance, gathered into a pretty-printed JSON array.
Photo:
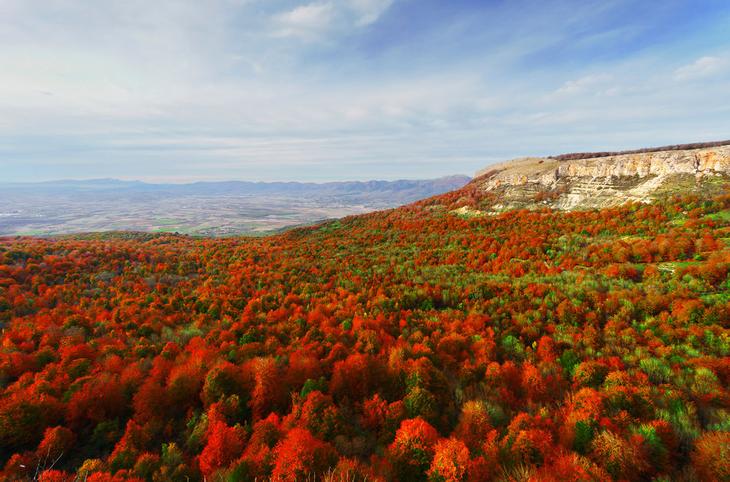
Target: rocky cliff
[{"x": 604, "y": 179}]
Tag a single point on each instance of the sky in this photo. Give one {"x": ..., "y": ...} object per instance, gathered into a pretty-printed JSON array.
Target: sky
[{"x": 185, "y": 90}]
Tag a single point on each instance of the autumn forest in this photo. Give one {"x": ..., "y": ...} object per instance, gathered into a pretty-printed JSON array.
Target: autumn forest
[{"x": 419, "y": 343}]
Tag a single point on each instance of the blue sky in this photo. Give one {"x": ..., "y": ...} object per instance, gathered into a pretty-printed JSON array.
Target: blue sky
[{"x": 178, "y": 90}]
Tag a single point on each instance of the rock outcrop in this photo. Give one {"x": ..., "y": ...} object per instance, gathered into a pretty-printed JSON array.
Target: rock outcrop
[{"x": 605, "y": 179}]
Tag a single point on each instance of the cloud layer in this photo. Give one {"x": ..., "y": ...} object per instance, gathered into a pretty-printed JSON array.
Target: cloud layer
[{"x": 347, "y": 89}]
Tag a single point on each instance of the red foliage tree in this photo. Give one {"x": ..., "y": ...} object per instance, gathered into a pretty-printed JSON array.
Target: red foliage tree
[
  {"x": 413, "y": 448},
  {"x": 450, "y": 461},
  {"x": 224, "y": 445},
  {"x": 711, "y": 456},
  {"x": 300, "y": 455}
]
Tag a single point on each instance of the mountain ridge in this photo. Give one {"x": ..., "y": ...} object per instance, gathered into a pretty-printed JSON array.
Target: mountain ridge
[{"x": 671, "y": 147}]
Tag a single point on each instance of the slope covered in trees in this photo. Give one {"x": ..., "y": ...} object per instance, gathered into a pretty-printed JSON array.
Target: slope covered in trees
[{"x": 411, "y": 344}]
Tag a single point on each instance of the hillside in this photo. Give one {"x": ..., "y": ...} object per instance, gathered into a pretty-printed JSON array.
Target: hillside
[
  {"x": 597, "y": 180},
  {"x": 428, "y": 342}
]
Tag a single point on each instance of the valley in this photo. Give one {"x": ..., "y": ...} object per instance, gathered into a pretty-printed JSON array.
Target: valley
[{"x": 201, "y": 209}]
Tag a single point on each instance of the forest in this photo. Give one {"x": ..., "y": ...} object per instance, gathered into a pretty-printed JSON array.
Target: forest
[{"x": 419, "y": 343}]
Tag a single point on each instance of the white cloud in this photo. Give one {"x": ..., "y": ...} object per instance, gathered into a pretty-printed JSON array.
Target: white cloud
[
  {"x": 317, "y": 20},
  {"x": 369, "y": 11},
  {"x": 305, "y": 21},
  {"x": 592, "y": 83},
  {"x": 701, "y": 68}
]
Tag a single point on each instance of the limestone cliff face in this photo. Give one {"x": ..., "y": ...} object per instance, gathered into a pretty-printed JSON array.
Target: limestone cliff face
[
  {"x": 663, "y": 163},
  {"x": 602, "y": 181}
]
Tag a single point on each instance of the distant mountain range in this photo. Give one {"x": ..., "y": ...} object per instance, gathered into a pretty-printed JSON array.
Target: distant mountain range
[{"x": 403, "y": 188}]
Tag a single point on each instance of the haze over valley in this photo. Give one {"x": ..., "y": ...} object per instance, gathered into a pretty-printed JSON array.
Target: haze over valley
[{"x": 203, "y": 208}]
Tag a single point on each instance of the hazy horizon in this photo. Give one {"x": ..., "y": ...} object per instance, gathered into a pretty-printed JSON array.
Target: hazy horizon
[
  {"x": 330, "y": 90},
  {"x": 232, "y": 180}
]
